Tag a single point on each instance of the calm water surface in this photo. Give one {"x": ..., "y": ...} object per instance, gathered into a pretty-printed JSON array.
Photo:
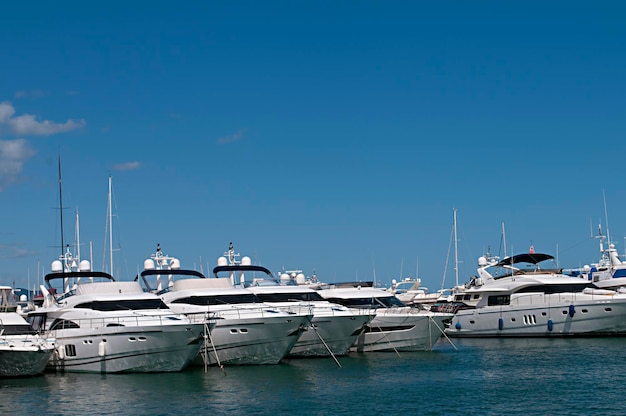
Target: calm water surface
[{"x": 471, "y": 377}]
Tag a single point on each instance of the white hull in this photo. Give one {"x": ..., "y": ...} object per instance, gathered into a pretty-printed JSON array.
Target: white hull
[
  {"x": 116, "y": 349},
  {"x": 252, "y": 341},
  {"x": 565, "y": 314},
  {"x": 404, "y": 329},
  {"x": 330, "y": 331}
]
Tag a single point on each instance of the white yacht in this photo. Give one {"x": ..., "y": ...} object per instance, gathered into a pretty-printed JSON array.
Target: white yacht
[
  {"x": 23, "y": 352},
  {"x": 519, "y": 296},
  {"x": 396, "y": 326},
  {"x": 332, "y": 329},
  {"x": 105, "y": 326},
  {"x": 246, "y": 332},
  {"x": 411, "y": 292},
  {"x": 609, "y": 272}
]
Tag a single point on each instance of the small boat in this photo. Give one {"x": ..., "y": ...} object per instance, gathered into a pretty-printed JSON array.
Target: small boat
[
  {"x": 246, "y": 331},
  {"x": 396, "y": 326},
  {"x": 23, "y": 352},
  {"x": 525, "y": 295}
]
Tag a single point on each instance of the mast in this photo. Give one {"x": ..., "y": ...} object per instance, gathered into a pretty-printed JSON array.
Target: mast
[
  {"x": 456, "y": 252},
  {"x": 503, "y": 238},
  {"x": 77, "y": 236},
  {"x": 606, "y": 217},
  {"x": 61, "y": 210},
  {"x": 110, "y": 228}
]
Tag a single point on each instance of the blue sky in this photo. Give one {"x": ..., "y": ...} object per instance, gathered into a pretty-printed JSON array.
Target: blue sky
[{"x": 329, "y": 136}]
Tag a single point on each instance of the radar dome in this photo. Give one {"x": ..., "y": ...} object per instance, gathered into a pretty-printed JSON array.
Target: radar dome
[
  {"x": 84, "y": 266},
  {"x": 23, "y": 298},
  {"x": 246, "y": 261},
  {"x": 175, "y": 264},
  {"x": 57, "y": 266},
  {"x": 586, "y": 268},
  {"x": 300, "y": 278},
  {"x": 148, "y": 264},
  {"x": 482, "y": 261},
  {"x": 221, "y": 261},
  {"x": 284, "y": 276}
]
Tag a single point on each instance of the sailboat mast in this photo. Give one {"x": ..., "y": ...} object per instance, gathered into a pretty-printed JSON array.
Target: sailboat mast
[
  {"x": 61, "y": 210},
  {"x": 503, "y": 238},
  {"x": 110, "y": 230},
  {"x": 456, "y": 252},
  {"x": 77, "y": 237}
]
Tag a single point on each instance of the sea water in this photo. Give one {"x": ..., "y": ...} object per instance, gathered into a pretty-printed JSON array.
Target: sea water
[{"x": 573, "y": 376}]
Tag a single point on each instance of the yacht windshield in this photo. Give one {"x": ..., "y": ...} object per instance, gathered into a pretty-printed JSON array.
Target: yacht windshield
[
  {"x": 369, "y": 302},
  {"x": 290, "y": 297},
  {"x": 123, "y": 305},
  {"x": 218, "y": 299}
]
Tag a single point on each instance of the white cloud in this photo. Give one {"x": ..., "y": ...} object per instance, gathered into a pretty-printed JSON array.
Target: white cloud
[
  {"x": 232, "y": 138},
  {"x": 13, "y": 155},
  {"x": 28, "y": 124},
  {"x": 30, "y": 94},
  {"x": 6, "y": 112},
  {"x": 127, "y": 166}
]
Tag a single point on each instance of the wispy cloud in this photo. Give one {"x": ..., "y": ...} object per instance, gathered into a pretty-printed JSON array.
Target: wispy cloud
[
  {"x": 13, "y": 155},
  {"x": 232, "y": 138},
  {"x": 12, "y": 252},
  {"x": 28, "y": 124},
  {"x": 30, "y": 94},
  {"x": 127, "y": 166}
]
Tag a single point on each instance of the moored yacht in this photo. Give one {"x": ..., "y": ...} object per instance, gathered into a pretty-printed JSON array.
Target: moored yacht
[
  {"x": 609, "y": 272},
  {"x": 246, "y": 332},
  {"x": 23, "y": 352},
  {"x": 332, "y": 329},
  {"x": 411, "y": 292},
  {"x": 520, "y": 296},
  {"x": 395, "y": 326},
  {"x": 105, "y": 326}
]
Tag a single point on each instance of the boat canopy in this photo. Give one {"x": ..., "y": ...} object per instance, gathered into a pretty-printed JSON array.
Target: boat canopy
[
  {"x": 75, "y": 275},
  {"x": 532, "y": 258},
  {"x": 240, "y": 268}
]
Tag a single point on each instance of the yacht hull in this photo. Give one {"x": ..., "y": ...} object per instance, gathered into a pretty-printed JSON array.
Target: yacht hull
[
  {"x": 565, "y": 314},
  {"x": 251, "y": 341},
  {"x": 330, "y": 331},
  {"x": 395, "y": 329},
  {"x": 118, "y": 349}
]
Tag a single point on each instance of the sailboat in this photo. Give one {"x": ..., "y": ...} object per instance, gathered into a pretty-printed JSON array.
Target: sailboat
[{"x": 446, "y": 296}]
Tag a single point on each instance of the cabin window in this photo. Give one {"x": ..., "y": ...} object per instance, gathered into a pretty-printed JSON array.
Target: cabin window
[
  {"x": 499, "y": 300},
  {"x": 22, "y": 329},
  {"x": 70, "y": 350},
  {"x": 63, "y": 324},
  {"x": 38, "y": 322}
]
